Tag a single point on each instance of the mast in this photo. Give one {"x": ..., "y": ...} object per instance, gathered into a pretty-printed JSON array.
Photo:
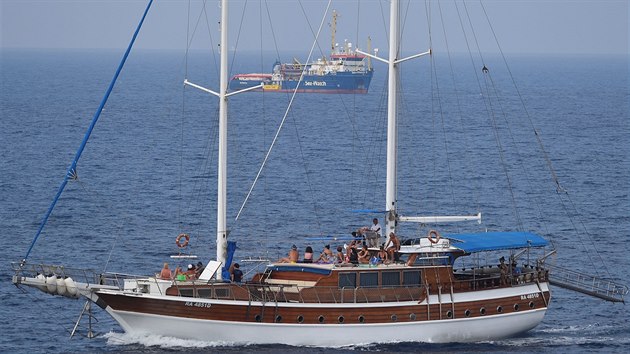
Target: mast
[
  {"x": 222, "y": 158},
  {"x": 333, "y": 31},
  {"x": 392, "y": 133},
  {"x": 369, "y": 49}
]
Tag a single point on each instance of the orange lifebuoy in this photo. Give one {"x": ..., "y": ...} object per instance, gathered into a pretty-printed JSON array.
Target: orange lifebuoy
[
  {"x": 179, "y": 242},
  {"x": 431, "y": 237}
]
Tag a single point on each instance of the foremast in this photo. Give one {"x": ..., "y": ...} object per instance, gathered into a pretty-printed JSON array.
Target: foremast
[
  {"x": 223, "y": 95},
  {"x": 392, "y": 127},
  {"x": 222, "y": 158}
]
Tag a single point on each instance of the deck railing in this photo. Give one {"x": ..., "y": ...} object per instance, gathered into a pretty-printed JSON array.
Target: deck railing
[
  {"x": 465, "y": 279},
  {"x": 587, "y": 284}
]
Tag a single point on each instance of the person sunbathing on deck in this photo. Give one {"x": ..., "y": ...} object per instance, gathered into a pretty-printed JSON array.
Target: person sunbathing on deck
[{"x": 293, "y": 257}]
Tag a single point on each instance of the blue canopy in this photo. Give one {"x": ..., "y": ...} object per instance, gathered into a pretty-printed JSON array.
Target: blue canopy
[{"x": 492, "y": 241}]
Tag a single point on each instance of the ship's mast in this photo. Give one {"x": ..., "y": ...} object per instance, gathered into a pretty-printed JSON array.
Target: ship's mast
[
  {"x": 333, "y": 31},
  {"x": 392, "y": 133},
  {"x": 369, "y": 49},
  {"x": 222, "y": 158}
]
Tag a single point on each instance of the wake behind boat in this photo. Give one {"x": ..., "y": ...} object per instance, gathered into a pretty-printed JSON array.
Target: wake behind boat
[
  {"x": 435, "y": 287},
  {"x": 345, "y": 71}
]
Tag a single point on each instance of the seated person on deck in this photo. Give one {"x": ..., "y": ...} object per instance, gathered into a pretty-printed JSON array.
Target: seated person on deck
[
  {"x": 293, "y": 257},
  {"x": 326, "y": 256},
  {"x": 364, "y": 255},
  {"x": 166, "y": 272},
  {"x": 191, "y": 273},
  {"x": 308, "y": 255},
  {"x": 393, "y": 246}
]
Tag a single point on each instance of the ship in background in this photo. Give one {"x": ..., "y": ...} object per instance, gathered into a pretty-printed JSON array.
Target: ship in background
[{"x": 346, "y": 71}]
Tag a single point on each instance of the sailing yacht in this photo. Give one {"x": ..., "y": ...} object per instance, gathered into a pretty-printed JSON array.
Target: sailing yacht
[{"x": 419, "y": 296}]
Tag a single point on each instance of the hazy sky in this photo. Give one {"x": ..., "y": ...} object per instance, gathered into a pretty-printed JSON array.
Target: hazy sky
[{"x": 522, "y": 26}]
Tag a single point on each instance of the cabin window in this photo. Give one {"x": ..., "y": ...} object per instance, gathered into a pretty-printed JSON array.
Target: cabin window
[
  {"x": 205, "y": 293},
  {"x": 411, "y": 278},
  {"x": 187, "y": 292},
  {"x": 390, "y": 278},
  {"x": 347, "y": 280},
  {"x": 222, "y": 292},
  {"x": 368, "y": 280}
]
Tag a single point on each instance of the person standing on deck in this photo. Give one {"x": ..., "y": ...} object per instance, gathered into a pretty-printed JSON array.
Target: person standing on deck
[
  {"x": 376, "y": 227},
  {"x": 236, "y": 274}
]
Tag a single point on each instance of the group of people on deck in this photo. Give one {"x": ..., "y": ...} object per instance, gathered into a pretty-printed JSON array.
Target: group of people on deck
[
  {"x": 356, "y": 252},
  {"x": 191, "y": 273},
  {"x": 194, "y": 271},
  {"x": 508, "y": 271}
]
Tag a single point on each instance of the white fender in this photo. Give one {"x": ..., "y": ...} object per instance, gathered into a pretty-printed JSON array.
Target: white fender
[
  {"x": 51, "y": 284},
  {"x": 42, "y": 279},
  {"x": 71, "y": 288},
  {"x": 61, "y": 286}
]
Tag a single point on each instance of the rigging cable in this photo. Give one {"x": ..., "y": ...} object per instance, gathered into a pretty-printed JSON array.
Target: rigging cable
[
  {"x": 559, "y": 188},
  {"x": 441, "y": 112},
  {"x": 181, "y": 130},
  {"x": 519, "y": 155},
  {"x": 197, "y": 190},
  {"x": 477, "y": 188},
  {"x": 284, "y": 118},
  {"x": 72, "y": 170},
  {"x": 491, "y": 116}
]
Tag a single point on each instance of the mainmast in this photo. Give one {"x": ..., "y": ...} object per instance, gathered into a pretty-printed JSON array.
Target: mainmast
[
  {"x": 222, "y": 158},
  {"x": 392, "y": 127}
]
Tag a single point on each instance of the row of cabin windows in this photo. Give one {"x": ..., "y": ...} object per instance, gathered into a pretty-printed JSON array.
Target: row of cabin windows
[{"x": 387, "y": 279}]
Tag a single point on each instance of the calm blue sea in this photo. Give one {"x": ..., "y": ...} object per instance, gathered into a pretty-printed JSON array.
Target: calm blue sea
[{"x": 148, "y": 173}]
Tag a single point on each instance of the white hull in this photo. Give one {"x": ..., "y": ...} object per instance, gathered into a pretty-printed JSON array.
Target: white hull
[
  {"x": 438, "y": 331},
  {"x": 473, "y": 329}
]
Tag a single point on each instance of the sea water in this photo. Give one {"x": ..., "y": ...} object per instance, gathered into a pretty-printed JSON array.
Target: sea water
[{"x": 148, "y": 173}]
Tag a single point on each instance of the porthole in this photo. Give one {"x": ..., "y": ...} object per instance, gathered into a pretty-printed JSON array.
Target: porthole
[
  {"x": 449, "y": 314},
  {"x": 531, "y": 304},
  {"x": 258, "y": 318},
  {"x": 278, "y": 318},
  {"x": 515, "y": 307},
  {"x": 499, "y": 309},
  {"x": 394, "y": 318},
  {"x": 340, "y": 319},
  {"x": 361, "y": 319},
  {"x": 300, "y": 319},
  {"x": 412, "y": 316},
  {"x": 467, "y": 313},
  {"x": 482, "y": 311},
  {"x": 320, "y": 319}
]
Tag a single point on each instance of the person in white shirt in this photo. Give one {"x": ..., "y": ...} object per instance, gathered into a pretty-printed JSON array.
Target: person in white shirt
[{"x": 376, "y": 227}]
